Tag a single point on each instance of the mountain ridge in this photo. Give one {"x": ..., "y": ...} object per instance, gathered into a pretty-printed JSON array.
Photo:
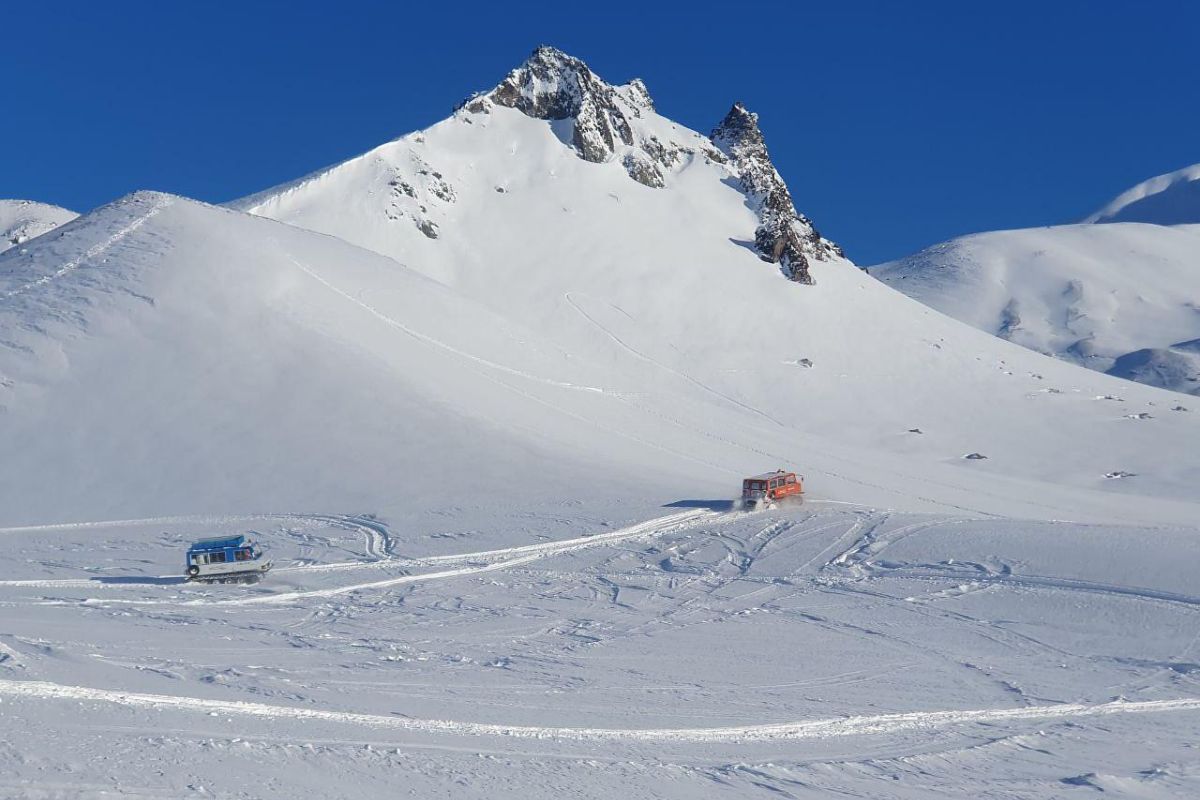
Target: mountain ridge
[{"x": 603, "y": 124}]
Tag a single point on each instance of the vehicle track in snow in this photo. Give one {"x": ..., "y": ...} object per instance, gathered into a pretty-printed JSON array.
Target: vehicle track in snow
[
  {"x": 827, "y": 728},
  {"x": 472, "y": 563},
  {"x": 493, "y": 560},
  {"x": 981, "y": 581},
  {"x": 377, "y": 543}
]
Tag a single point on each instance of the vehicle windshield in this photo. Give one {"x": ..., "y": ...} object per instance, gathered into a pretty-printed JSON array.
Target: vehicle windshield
[{"x": 756, "y": 486}]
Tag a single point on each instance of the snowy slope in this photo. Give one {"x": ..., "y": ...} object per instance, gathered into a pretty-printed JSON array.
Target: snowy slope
[
  {"x": 484, "y": 394},
  {"x": 1171, "y": 199},
  {"x": 1122, "y": 297},
  {"x": 21, "y": 220},
  {"x": 814, "y": 652},
  {"x": 662, "y": 282},
  {"x": 192, "y": 359}
]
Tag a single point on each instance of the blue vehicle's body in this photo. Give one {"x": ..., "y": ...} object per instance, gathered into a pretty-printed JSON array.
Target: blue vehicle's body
[{"x": 225, "y": 558}]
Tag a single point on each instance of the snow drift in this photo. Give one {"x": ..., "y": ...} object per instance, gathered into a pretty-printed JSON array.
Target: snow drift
[
  {"x": 1171, "y": 199},
  {"x": 22, "y": 220}
]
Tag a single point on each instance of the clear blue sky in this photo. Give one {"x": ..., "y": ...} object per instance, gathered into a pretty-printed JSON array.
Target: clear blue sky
[{"x": 896, "y": 124}]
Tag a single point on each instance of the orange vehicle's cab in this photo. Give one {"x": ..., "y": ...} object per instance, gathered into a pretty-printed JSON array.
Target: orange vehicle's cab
[{"x": 771, "y": 487}]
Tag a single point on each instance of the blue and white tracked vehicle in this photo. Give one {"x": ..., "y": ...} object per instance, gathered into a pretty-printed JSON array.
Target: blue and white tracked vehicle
[{"x": 226, "y": 559}]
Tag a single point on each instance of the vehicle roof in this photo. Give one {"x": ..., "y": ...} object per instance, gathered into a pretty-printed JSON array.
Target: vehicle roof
[
  {"x": 766, "y": 476},
  {"x": 218, "y": 542}
]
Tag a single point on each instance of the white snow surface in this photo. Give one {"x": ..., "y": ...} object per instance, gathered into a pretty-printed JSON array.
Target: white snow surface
[
  {"x": 22, "y": 220},
  {"x": 493, "y": 470},
  {"x": 1091, "y": 294},
  {"x": 1171, "y": 199}
]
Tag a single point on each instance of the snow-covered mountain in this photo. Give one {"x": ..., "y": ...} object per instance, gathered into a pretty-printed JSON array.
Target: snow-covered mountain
[
  {"x": 413, "y": 198},
  {"x": 22, "y": 220},
  {"x": 1123, "y": 297},
  {"x": 1171, "y": 199},
  {"x": 485, "y": 395}
]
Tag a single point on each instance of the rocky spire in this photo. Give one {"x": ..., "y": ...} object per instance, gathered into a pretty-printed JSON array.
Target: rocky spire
[
  {"x": 784, "y": 236},
  {"x": 553, "y": 85}
]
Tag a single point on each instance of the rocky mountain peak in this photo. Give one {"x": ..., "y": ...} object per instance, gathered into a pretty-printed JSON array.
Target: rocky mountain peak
[
  {"x": 784, "y": 235},
  {"x": 613, "y": 123},
  {"x": 552, "y": 85},
  {"x": 738, "y": 132}
]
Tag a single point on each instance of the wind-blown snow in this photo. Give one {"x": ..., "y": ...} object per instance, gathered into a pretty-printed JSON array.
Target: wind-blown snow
[
  {"x": 1171, "y": 199},
  {"x": 22, "y": 220}
]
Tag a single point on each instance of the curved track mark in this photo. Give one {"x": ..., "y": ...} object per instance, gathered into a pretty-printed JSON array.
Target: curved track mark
[{"x": 866, "y": 725}]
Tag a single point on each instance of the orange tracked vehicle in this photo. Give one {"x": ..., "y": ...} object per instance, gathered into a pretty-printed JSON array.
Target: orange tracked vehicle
[{"x": 768, "y": 489}]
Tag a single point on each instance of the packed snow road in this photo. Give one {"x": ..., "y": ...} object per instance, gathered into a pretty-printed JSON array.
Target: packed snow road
[{"x": 811, "y": 648}]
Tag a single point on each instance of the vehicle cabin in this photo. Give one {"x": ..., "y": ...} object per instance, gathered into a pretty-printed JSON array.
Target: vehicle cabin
[
  {"x": 772, "y": 486},
  {"x": 223, "y": 555}
]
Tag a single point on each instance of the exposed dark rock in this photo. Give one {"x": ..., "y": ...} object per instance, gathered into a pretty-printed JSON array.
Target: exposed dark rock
[
  {"x": 400, "y": 186},
  {"x": 1010, "y": 320},
  {"x": 478, "y": 105},
  {"x": 428, "y": 228},
  {"x": 666, "y": 154},
  {"x": 643, "y": 170},
  {"x": 784, "y": 236}
]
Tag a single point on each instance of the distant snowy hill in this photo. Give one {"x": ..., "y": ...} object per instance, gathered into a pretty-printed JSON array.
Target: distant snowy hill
[
  {"x": 1122, "y": 297},
  {"x": 22, "y": 220},
  {"x": 1171, "y": 199}
]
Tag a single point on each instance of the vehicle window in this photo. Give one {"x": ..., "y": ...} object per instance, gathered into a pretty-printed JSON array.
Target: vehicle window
[
  {"x": 242, "y": 555},
  {"x": 791, "y": 478},
  {"x": 216, "y": 558}
]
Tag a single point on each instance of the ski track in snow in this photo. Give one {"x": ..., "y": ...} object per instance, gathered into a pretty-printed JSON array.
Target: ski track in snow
[
  {"x": 437, "y": 342},
  {"x": 95, "y": 249},
  {"x": 867, "y": 725},
  {"x": 643, "y": 357}
]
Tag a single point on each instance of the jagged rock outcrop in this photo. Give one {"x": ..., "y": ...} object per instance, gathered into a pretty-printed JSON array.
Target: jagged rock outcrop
[
  {"x": 553, "y": 85},
  {"x": 784, "y": 236}
]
